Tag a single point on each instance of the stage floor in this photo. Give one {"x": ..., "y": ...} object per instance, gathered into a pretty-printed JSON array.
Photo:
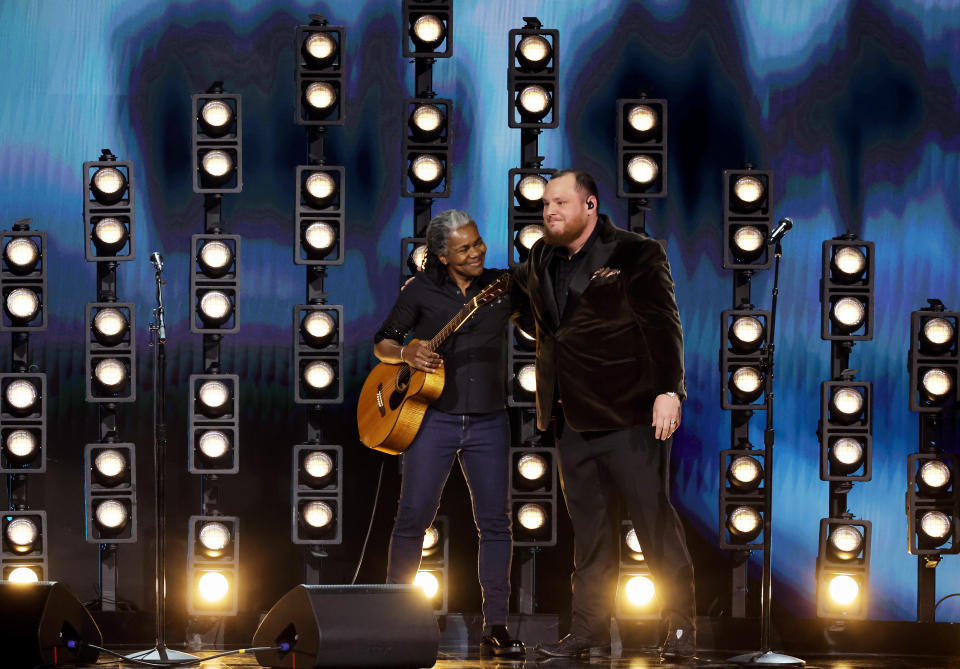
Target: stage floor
[{"x": 629, "y": 660}]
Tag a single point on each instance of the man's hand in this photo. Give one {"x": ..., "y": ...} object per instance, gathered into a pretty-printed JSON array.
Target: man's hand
[
  {"x": 666, "y": 415},
  {"x": 419, "y": 356}
]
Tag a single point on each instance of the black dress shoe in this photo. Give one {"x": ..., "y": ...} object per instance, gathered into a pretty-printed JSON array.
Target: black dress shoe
[
  {"x": 500, "y": 643},
  {"x": 573, "y": 646},
  {"x": 681, "y": 643}
]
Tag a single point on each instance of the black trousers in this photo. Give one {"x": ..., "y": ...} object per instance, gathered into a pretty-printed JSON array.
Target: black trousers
[{"x": 598, "y": 472}]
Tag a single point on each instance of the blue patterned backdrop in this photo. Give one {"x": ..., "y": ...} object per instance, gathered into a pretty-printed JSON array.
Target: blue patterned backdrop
[{"x": 853, "y": 104}]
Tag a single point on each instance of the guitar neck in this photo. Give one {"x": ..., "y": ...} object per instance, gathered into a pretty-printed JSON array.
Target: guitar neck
[{"x": 451, "y": 327}]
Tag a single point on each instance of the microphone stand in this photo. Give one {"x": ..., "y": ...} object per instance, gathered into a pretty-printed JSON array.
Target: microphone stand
[
  {"x": 160, "y": 654},
  {"x": 765, "y": 657}
]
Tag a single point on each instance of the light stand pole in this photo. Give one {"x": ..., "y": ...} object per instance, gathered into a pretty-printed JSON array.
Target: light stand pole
[
  {"x": 765, "y": 657},
  {"x": 160, "y": 654}
]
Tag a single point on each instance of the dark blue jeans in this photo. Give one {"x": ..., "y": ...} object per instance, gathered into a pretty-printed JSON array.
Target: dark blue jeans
[{"x": 482, "y": 444}]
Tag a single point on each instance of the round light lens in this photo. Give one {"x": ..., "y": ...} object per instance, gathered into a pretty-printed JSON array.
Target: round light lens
[
  {"x": 21, "y": 394},
  {"x": 427, "y": 169},
  {"x": 532, "y": 516},
  {"x": 217, "y": 163},
  {"x": 216, "y": 113},
  {"x": 318, "y": 464},
  {"x": 935, "y": 524},
  {"x": 320, "y": 95},
  {"x": 745, "y": 469},
  {"x": 748, "y": 189},
  {"x": 633, "y": 543},
  {"x": 23, "y": 575},
  {"x": 527, "y": 378},
  {"x": 935, "y": 473},
  {"x": 849, "y": 311},
  {"x": 21, "y": 253},
  {"x": 429, "y": 30},
  {"x": 110, "y": 323},
  {"x": 110, "y": 463},
  {"x": 21, "y": 443},
  {"x": 642, "y": 169},
  {"x": 109, "y": 180},
  {"x": 213, "y": 586},
  {"x": 215, "y": 305},
  {"x": 642, "y": 118},
  {"x": 532, "y": 466},
  {"x": 110, "y": 231},
  {"x": 530, "y": 189},
  {"x": 214, "y": 536},
  {"x": 534, "y": 50},
  {"x": 213, "y": 444},
  {"x": 319, "y": 324},
  {"x": 320, "y": 236},
  {"x": 847, "y": 451},
  {"x": 427, "y": 582},
  {"x": 847, "y": 540},
  {"x": 419, "y": 257},
  {"x": 214, "y": 394},
  {"x": 317, "y": 514},
  {"x": 22, "y": 533},
  {"x": 318, "y": 374},
  {"x": 535, "y": 100},
  {"x": 216, "y": 255},
  {"x": 111, "y": 514},
  {"x": 843, "y": 589},
  {"x": 23, "y": 304},
  {"x": 530, "y": 235},
  {"x": 427, "y": 118},
  {"x": 110, "y": 372},
  {"x": 748, "y": 239},
  {"x": 748, "y": 330},
  {"x": 430, "y": 538},
  {"x": 640, "y": 590},
  {"x": 745, "y": 519},
  {"x": 848, "y": 401},
  {"x": 850, "y": 260},
  {"x": 937, "y": 382},
  {"x": 320, "y": 45},
  {"x": 747, "y": 379},
  {"x": 938, "y": 331}
]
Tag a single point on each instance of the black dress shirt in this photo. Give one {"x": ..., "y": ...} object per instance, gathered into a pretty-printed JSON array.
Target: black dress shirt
[
  {"x": 474, "y": 357},
  {"x": 562, "y": 269}
]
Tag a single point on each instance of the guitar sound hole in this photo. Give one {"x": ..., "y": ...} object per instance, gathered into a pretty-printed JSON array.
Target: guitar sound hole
[{"x": 396, "y": 398}]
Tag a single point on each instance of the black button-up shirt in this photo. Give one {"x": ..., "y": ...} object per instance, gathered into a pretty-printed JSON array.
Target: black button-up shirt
[
  {"x": 562, "y": 269},
  {"x": 474, "y": 357}
]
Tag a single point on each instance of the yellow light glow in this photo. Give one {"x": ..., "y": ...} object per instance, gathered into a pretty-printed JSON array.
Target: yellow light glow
[
  {"x": 213, "y": 444},
  {"x": 748, "y": 238},
  {"x": 216, "y": 163},
  {"x": 642, "y": 169},
  {"x": 430, "y": 538},
  {"x": 110, "y": 463},
  {"x": 640, "y": 590},
  {"x": 318, "y": 464},
  {"x": 748, "y": 189},
  {"x": 527, "y": 378},
  {"x": 843, "y": 589},
  {"x": 849, "y": 311},
  {"x": 110, "y": 372},
  {"x": 642, "y": 117},
  {"x": 213, "y": 586},
  {"x": 216, "y": 113},
  {"x": 23, "y": 575},
  {"x": 427, "y": 582},
  {"x": 532, "y": 466},
  {"x": 532, "y": 516}
]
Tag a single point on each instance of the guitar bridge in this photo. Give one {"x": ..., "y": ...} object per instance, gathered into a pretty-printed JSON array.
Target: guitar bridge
[{"x": 383, "y": 411}]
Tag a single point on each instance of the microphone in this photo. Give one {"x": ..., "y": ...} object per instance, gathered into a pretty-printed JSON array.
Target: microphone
[
  {"x": 157, "y": 260},
  {"x": 782, "y": 227}
]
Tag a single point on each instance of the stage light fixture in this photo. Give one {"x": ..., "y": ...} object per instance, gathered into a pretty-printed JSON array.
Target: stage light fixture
[
  {"x": 213, "y": 444},
  {"x": 532, "y": 76},
  {"x": 23, "y": 545},
  {"x": 845, "y": 430},
  {"x": 318, "y": 353},
  {"x": 520, "y": 365},
  {"x": 110, "y": 326},
  {"x": 846, "y": 289},
  {"x": 111, "y": 516},
  {"x": 21, "y": 255},
  {"x": 217, "y": 141},
  {"x": 636, "y": 590},
  {"x": 110, "y": 492},
  {"x": 318, "y": 327},
  {"x": 110, "y": 352},
  {"x": 534, "y": 524},
  {"x": 23, "y": 423},
  {"x": 319, "y": 78},
  {"x": 433, "y": 572},
  {"x": 21, "y": 452},
  {"x": 747, "y": 219},
  {"x": 429, "y": 28},
  {"x": 641, "y": 148},
  {"x": 426, "y": 147},
  {"x": 22, "y": 305},
  {"x": 532, "y": 517},
  {"x": 936, "y": 335},
  {"x": 527, "y": 378},
  {"x": 843, "y": 568},
  {"x": 213, "y": 552},
  {"x": 933, "y": 358},
  {"x": 108, "y": 209},
  {"x": 427, "y": 122},
  {"x": 741, "y": 499},
  {"x": 744, "y": 523},
  {"x": 216, "y": 117},
  {"x": 318, "y": 234},
  {"x": 214, "y": 283},
  {"x": 745, "y": 473},
  {"x": 109, "y": 466},
  {"x": 743, "y": 334},
  {"x": 213, "y": 431},
  {"x": 634, "y": 551},
  {"x": 215, "y": 258},
  {"x": 533, "y": 495},
  {"x": 317, "y": 494},
  {"x": 933, "y": 504},
  {"x": 525, "y": 216},
  {"x": 428, "y": 582}
]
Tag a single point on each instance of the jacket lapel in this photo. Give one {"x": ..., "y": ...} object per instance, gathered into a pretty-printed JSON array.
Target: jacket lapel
[
  {"x": 597, "y": 256},
  {"x": 547, "y": 293}
]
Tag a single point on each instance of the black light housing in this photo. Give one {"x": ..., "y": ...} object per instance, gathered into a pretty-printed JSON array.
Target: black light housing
[
  {"x": 747, "y": 218},
  {"x": 213, "y": 552},
  {"x": 217, "y": 141},
  {"x": 316, "y": 501},
  {"x": 429, "y": 28},
  {"x": 843, "y": 568},
  {"x": 642, "y": 148},
  {"x": 319, "y": 79},
  {"x": 320, "y": 205},
  {"x": 110, "y": 476},
  {"x": 532, "y": 76}
]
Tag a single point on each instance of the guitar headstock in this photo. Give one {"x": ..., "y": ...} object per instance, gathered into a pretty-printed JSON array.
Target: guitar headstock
[{"x": 493, "y": 291}]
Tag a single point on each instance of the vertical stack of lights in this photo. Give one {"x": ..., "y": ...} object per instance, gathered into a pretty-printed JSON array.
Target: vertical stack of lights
[
  {"x": 213, "y": 430},
  {"x": 433, "y": 577},
  {"x": 23, "y": 403},
  {"x": 933, "y": 492},
  {"x": 426, "y": 137},
  {"x": 845, "y": 429},
  {"x": 532, "y": 98},
  {"x": 317, "y": 480},
  {"x": 641, "y": 155},
  {"x": 744, "y": 349},
  {"x": 636, "y": 591}
]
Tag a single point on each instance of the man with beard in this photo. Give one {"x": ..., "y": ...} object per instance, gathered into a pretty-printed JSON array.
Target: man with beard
[{"x": 609, "y": 371}]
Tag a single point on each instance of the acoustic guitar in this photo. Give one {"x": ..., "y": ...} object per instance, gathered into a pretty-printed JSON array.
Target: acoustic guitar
[{"x": 395, "y": 396}]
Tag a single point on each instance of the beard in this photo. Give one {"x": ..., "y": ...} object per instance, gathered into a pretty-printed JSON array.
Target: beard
[{"x": 563, "y": 237}]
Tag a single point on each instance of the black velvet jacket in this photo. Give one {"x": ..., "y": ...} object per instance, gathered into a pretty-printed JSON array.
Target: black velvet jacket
[{"x": 619, "y": 343}]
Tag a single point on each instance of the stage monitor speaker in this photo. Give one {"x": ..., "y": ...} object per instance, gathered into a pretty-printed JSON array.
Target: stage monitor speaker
[
  {"x": 350, "y": 626},
  {"x": 45, "y": 624}
]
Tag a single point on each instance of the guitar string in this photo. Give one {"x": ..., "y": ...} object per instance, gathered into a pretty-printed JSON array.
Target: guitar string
[{"x": 452, "y": 326}]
